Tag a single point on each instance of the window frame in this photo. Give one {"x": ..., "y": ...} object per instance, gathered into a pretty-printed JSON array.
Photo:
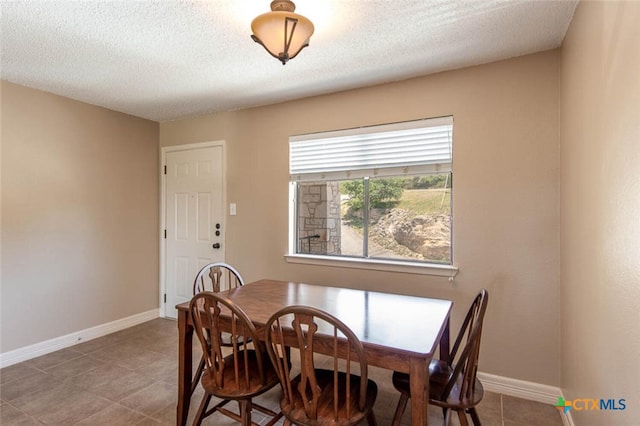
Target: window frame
[{"x": 377, "y": 264}]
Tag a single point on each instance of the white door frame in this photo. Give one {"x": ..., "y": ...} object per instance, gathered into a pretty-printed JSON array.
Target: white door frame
[{"x": 163, "y": 207}]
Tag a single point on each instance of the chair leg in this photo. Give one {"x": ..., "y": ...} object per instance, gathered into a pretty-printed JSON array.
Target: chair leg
[
  {"x": 402, "y": 405},
  {"x": 447, "y": 416},
  {"x": 371, "y": 418},
  {"x": 202, "y": 409},
  {"x": 245, "y": 411},
  {"x": 463, "y": 418},
  {"x": 474, "y": 416},
  {"x": 196, "y": 377}
]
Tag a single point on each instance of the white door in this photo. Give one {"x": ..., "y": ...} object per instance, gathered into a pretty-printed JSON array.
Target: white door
[{"x": 194, "y": 219}]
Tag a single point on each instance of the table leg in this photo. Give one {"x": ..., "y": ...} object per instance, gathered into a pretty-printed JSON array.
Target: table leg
[
  {"x": 444, "y": 342},
  {"x": 185, "y": 371},
  {"x": 419, "y": 386}
]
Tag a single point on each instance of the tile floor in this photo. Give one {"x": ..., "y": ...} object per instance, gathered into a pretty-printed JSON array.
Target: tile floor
[{"x": 130, "y": 378}]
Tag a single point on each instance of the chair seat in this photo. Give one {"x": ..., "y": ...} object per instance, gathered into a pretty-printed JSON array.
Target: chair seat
[
  {"x": 233, "y": 390},
  {"x": 439, "y": 374},
  {"x": 325, "y": 378},
  {"x": 228, "y": 341}
]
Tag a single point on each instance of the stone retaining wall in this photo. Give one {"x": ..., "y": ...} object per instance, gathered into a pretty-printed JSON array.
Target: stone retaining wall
[{"x": 319, "y": 214}]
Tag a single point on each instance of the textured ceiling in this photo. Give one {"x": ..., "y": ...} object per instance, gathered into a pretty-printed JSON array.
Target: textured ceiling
[{"x": 165, "y": 60}]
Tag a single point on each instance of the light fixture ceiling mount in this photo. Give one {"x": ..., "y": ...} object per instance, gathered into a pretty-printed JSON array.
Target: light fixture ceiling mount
[{"x": 281, "y": 32}]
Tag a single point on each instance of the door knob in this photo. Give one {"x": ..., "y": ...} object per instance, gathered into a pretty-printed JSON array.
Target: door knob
[{"x": 216, "y": 245}]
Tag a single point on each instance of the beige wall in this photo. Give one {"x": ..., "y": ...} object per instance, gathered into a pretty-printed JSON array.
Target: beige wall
[
  {"x": 506, "y": 235},
  {"x": 79, "y": 216},
  {"x": 600, "y": 220}
]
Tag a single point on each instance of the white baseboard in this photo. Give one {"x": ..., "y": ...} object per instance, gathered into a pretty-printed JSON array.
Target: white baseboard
[
  {"x": 520, "y": 388},
  {"x": 42, "y": 348},
  {"x": 526, "y": 390}
]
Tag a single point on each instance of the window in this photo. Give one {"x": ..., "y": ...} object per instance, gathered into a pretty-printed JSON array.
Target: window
[{"x": 378, "y": 193}]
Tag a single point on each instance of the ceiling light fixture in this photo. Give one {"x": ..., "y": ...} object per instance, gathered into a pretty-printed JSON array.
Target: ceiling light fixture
[{"x": 281, "y": 32}]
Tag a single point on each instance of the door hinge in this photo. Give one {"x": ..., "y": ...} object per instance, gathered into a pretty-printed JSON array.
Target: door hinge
[
  {"x": 165, "y": 298},
  {"x": 165, "y": 169},
  {"x": 165, "y": 234}
]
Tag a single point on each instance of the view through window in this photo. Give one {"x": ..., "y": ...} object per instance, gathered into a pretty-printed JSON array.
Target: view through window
[{"x": 381, "y": 192}]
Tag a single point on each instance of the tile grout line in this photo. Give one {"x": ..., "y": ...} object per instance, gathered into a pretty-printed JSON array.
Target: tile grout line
[{"x": 35, "y": 419}]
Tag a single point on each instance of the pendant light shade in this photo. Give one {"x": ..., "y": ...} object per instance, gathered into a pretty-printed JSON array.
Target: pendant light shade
[{"x": 281, "y": 32}]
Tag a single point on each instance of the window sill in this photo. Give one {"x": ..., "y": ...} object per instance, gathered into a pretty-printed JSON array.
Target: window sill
[{"x": 375, "y": 265}]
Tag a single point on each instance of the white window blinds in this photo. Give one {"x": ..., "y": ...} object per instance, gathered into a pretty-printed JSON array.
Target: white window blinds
[{"x": 412, "y": 147}]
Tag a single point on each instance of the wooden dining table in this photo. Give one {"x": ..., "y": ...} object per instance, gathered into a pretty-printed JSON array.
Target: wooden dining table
[{"x": 398, "y": 332}]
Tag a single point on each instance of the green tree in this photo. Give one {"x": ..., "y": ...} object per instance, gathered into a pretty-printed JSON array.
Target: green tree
[{"x": 382, "y": 192}]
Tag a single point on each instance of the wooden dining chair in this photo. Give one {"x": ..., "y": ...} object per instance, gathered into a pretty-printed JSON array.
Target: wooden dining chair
[
  {"x": 341, "y": 394},
  {"x": 215, "y": 277},
  {"x": 242, "y": 374},
  {"x": 453, "y": 384}
]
